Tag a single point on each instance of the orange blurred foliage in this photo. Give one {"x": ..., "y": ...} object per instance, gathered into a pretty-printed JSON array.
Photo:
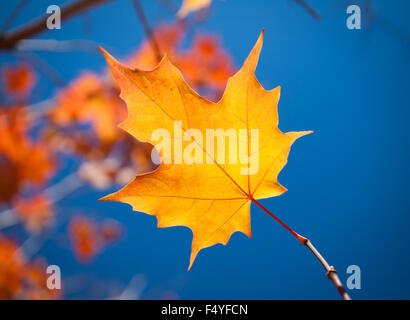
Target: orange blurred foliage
[
  {"x": 83, "y": 122},
  {"x": 18, "y": 80},
  {"x": 83, "y": 234},
  {"x": 204, "y": 65},
  {"x": 10, "y": 269},
  {"x": 94, "y": 100},
  {"x": 22, "y": 160},
  {"x": 189, "y": 6},
  {"x": 21, "y": 280},
  {"x": 110, "y": 231},
  {"x": 89, "y": 100},
  {"x": 168, "y": 37},
  {"x": 88, "y": 238},
  {"x": 35, "y": 212}
]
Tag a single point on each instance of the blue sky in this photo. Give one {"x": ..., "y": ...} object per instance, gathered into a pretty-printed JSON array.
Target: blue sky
[{"x": 347, "y": 181}]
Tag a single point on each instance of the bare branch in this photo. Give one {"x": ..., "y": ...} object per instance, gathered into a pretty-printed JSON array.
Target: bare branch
[
  {"x": 13, "y": 15},
  {"x": 147, "y": 28},
  {"x": 8, "y": 41},
  {"x": 309, "y": 9},
  {"x": 393, "y": 30},
  {"x": 55, "y": 193},
  {"x": 57, "y": 45},
  {"x": 330, "y": 271},
  {"x": 42, "y": 66},
  {"x": 170, "y": 5}
]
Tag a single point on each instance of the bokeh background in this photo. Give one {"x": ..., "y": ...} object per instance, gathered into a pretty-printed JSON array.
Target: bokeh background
[{"x": 347, "y": 182}]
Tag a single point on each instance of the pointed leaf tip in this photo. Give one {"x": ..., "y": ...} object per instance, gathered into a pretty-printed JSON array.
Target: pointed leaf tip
[
  {"x": 108, "y": 57},
  {"x": 106, "y": 198},
  {"x": 103, "y": 51},
  {"x": 252, "y": 60}
]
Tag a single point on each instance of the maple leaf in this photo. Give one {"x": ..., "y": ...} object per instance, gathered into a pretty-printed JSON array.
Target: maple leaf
[
  {"x": 212, "y": 199},
  {"x": 189, "y": 6}
]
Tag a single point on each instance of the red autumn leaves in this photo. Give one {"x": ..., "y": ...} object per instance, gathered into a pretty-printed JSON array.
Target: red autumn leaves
[
  {"x": 88, "y": 237},
  {"x": 16, "y": 148},
  {"x": 20, "y": 279},
  {"x": 205, "y": 64},
  {"x": 18, "y": 80}
]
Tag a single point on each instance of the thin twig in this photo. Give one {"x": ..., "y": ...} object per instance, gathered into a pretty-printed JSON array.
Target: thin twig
[
  {"x": 170, "y": 5},
  {"x": 372, "y": 17},
  {"x": 8, "y": 218},
  {"x": 40, "y": 109},
  {"x": 57, "y": 45},
  {"x": 55, "y": 193},
  {"x": 330, "y": 270},
  {"x": 32, "y": 28},
  {"x": 301, "y": 239},
  {"x": 133, "y": 289},
  {"x": 33, "y": 244},
  {"x": 393, "y": 30},
  {"x": 64, "y": 187},
  {"x": 87, "y": 23},
  {"x": 13, "y": 15},
  {"x": 147, "y": 29},
  {"x": 42, "y": 66},
  {"x": 309, "y": 9}
]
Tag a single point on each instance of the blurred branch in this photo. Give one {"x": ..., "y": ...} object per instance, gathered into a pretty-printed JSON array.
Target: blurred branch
[
  {"x": 147, "y": 29},
  {"x": 13, "y": 15},
  {"x": 315, "y": 15},
  {"x": 373, "y": 18},
  {"x": 56, "y": 45},
  {"x": 393, "y": 30},
  {"x": 32, "y": 28},
  {"x": 42, "y": 66},
  {"x": 170, "y": 5},
  {"x": 87, "y": 22},
  {"x": 8, "y": 218},
  {"x": 40, "y": 109},
  {"x": 133, "y": 290},
  {"x": 55, "y": 193},
  {"x": 64, "y": 187},
  {"x": 32, "y": 245}
]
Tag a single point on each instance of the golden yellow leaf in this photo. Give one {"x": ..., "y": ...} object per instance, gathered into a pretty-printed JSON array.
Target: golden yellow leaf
[
  {"x": 212, "y": 199},
  {"x": 189, "y": 6}
]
